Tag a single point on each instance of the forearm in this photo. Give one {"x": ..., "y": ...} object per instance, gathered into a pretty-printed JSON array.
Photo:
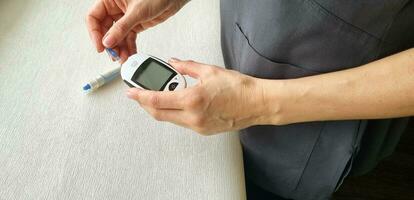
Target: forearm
[{"x": 382, "y": 89}]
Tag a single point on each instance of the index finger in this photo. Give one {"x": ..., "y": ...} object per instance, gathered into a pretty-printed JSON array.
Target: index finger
[
  {"x": 158, "y": 99},
  {"x": 93, "y": 21}
]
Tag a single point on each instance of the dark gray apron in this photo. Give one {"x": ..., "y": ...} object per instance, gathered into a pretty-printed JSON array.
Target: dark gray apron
[{"x": 281, "y": 39}]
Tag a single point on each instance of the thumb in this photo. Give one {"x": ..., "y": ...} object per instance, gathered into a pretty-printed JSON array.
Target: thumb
[
  {"x": 190, "y": 68},
  {"x": 120, "y": 29}
]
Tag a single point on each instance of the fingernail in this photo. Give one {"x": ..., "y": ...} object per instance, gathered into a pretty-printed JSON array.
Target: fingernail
[
  {"x": 172, "y": 60},
  {"x": 109, "y": 41}
]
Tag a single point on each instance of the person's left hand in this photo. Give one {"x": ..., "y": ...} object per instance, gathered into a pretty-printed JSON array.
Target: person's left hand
[{"x": 222, "y": 100}]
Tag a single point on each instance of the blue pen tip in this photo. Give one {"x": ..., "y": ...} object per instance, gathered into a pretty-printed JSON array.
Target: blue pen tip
[
  {"x": 112, "y": 53},
  {"x": 87, "y": 87}
]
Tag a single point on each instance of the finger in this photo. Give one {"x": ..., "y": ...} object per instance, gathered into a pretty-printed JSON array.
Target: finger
[
  {"x": 124, "y": 53},
  {"x": 138, "y": 28},
  {"x": 174, "y": 116},
  {"x": 131, "y": 43},
  {"x": 122, "y": 27},
  {"x": 117, "y": 51},
  {"x": 190, "y": 68},
  {"x": 158, "y": 99},
  {"x": 93, "y": 21},
  {"x": 106, "y": 24}
]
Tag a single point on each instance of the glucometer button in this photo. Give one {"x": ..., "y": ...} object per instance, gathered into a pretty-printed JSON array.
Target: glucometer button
[{"x": 172, "y": 86}]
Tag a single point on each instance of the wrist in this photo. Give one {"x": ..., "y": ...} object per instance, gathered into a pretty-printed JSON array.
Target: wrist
[
  {"x": 282, "y": 101},
  {"x": 275, "y": 102},
  {"x": 270, "y": 101}
]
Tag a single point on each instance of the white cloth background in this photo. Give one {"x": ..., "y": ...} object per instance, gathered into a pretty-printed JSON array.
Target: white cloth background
[{"x": 58, "y": 143}]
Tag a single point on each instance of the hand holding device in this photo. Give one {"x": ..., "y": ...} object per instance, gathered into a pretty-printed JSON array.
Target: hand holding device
[{"x": 222, "y": 100}]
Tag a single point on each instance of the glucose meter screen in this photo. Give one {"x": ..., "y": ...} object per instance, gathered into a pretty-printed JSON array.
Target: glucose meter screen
[{"x": 153, "y": 75}]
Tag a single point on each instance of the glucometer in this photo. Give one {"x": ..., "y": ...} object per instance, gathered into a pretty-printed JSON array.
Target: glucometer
[{"x": 151, "y": 73}]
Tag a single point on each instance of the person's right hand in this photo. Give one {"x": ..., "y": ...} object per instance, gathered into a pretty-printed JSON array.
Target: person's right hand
[{"x": 116, "y": 23}]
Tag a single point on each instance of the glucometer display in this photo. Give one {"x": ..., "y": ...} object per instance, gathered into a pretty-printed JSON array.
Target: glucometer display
[{"x": 153, "y": 75}]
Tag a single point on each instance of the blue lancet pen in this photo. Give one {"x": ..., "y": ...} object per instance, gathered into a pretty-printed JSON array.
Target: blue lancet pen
[{"x": 104, "y": 78}]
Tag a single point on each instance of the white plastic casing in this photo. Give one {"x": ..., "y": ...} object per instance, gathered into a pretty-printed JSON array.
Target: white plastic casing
[{"x": 129, "y": 68}]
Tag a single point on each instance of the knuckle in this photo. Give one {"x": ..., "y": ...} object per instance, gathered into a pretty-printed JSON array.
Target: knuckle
[
  {"x": 190, "y": 63},
  {"x": 198, "y": 100},
  {"x": 195, "y": 101},
  {"x": 211, "y": 71},
  {"x": 89, "y": 19},
  {"x": 121, "y": 27},
  {"x": 154, "y": 101}
]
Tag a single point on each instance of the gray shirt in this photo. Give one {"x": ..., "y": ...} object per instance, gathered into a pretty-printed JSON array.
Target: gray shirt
[{"x": 282, "y": 39}]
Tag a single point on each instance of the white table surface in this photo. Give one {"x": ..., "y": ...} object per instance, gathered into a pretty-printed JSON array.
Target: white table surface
[{"x": 58, "y": 143}]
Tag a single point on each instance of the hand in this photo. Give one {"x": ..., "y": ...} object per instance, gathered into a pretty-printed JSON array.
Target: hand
[
  {"x": 222, "y": 100},
  {"x": 130, "y": 17}
]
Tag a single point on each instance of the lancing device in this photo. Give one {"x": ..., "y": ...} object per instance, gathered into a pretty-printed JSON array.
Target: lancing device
[{"x": 104, "y": 78}]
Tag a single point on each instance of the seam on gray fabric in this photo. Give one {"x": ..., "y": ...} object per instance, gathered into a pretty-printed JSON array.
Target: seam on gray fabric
[
  {"x": 356, "y": 136},
  {"x": 310, "y": 156},
  {"x": 365, "y": 59},
  {"x": 272, "y": 60},
  {"x": 236, "y": 58},
  {"x": 387, "y": 30},
  {"x": 344, "y": 174},
  {"x": 342, "y": 20},
  {"x": 351, "y": 159}
]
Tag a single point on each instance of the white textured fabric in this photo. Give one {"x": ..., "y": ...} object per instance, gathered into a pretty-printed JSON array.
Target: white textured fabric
[{"x": 58, "y": 143}]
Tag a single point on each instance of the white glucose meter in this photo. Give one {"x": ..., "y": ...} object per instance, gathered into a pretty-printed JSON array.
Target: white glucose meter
[{"x": 151, "y": 73}]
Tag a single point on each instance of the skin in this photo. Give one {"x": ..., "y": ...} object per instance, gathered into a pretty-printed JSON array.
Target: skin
[
  {"x": 381, "y": 89},
  {"x": 220, "y": 101},
  {"x": 226, "y": 100},
  {"x": 116, "y": 23}
]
